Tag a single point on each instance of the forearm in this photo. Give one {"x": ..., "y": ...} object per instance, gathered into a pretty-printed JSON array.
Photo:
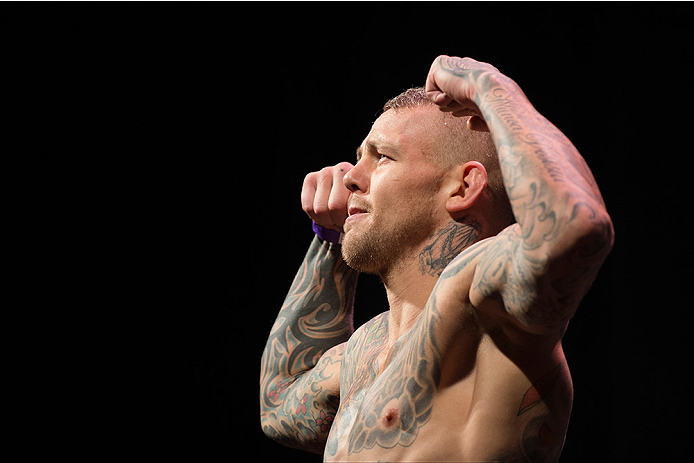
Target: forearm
[
  {"x": 316, "y": 314},
  {"x": 565, "y": 232},
  {"x": 552, "y": 191},
  {"x": 541, "y": 266}
]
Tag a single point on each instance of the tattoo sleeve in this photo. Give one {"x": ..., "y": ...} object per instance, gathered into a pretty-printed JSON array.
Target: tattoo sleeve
[
  {"x": 299, "y": 378},
  {"x": 543, "y": 265}
]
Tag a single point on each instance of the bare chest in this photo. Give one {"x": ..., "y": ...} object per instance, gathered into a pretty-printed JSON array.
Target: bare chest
[
  {"x": 429, "y": 395},
  {"x": 388, "y": 394}
]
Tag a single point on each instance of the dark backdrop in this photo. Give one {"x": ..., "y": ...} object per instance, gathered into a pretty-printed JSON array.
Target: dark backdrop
[{"x": 197, "y": 123}]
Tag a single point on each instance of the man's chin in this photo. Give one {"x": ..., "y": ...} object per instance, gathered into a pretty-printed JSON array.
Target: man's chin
[
  {"x": 358, "y": 253},
  {"x": 355, "y": 220}
]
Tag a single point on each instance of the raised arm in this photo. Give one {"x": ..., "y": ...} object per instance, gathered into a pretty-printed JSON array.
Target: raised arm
[
  {"x": 542, "y": 266},
  {"x": 300, "y": 369}
]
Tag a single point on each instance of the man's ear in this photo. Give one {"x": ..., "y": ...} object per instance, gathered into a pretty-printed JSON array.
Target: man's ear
[{"x": 469, "y": 185}]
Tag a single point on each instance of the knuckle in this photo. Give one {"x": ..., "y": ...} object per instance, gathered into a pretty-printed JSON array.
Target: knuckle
[
  {"x": 344, "y": 166},
  {"x": 335, "y": 205}
]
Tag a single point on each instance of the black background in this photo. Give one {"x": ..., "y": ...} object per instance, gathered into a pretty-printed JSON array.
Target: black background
[{"x": 181, "y": 134}]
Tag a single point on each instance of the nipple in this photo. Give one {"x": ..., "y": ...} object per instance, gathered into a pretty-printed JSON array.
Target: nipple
[
  {"x": 391, "y": 414},
  {"x": 390, "y": 417}
]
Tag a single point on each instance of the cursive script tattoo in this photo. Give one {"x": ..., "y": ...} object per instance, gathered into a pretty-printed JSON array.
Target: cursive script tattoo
[{"x": 543, "y": 265}]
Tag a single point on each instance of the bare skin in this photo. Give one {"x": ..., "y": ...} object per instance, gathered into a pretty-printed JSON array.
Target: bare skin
[{"x": 467, "y": 365}]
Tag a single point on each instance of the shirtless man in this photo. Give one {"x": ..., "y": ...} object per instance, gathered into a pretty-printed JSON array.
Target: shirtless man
[{"x": 487, "y": 228}]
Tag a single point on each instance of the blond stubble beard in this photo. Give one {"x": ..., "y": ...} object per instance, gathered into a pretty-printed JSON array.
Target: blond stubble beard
[{"x": 377, "y": 249}]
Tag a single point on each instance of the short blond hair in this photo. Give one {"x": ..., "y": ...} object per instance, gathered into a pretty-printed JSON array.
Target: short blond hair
[{"x": 460, "y": 145}]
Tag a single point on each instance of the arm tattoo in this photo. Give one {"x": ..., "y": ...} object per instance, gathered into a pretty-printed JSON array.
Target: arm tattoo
[
  {"x": 303, "y": 407},
  {"x": 542, "y": 266},
  {"x": 537, "y": 392},
  {"x": 300, "y": 356},
  {"x": 538, "y": 443},
  {"x": 317, "y": 312}
]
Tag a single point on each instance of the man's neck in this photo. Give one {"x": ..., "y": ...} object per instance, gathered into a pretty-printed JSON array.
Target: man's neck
[
  {"x": 407, "y": 291},
  {"x": 410, "y": 283}
]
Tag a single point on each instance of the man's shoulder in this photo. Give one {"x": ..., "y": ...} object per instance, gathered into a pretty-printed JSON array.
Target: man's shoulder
[{"x": 469, "y": 257}]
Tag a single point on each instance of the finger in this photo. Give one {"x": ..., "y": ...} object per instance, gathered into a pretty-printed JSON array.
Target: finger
[
  {"x": 308, "y": 192},
  {"x": 462, "y": 112},
  {"x": 460, "y": 109},
  {"x": 434, "y": 93},
  {"x": 339, "y": 195},
  {"x": 432, "y": 88},
  {"x": 439, "y": 98},
  {"x": 320, "y": 200},
  {"x": 477, "y": 124}
]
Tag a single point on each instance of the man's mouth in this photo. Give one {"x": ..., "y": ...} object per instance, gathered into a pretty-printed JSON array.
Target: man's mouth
[
  {"x": 355, "y": 213},
  {"x": 355, "y": 210}
]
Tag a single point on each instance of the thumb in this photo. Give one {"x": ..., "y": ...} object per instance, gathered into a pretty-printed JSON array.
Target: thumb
[{"x": 477, "y": 124}]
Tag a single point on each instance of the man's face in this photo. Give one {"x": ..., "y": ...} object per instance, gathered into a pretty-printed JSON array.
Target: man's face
[{"x": 396, "y": 201}]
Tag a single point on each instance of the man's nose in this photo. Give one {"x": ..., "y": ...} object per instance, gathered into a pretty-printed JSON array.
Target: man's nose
[{"x": 350, "y": 181}]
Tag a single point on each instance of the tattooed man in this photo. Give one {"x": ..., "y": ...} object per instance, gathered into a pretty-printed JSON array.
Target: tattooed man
[{"x": 487, "y": 228}]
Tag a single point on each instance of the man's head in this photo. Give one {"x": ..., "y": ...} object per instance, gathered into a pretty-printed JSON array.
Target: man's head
[{"x": 418, "y": 170}]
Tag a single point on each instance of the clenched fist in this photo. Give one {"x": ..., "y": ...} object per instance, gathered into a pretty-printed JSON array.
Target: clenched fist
[
  {"x": 451, "y": 84},
  {"x": 324, "y": 196}
]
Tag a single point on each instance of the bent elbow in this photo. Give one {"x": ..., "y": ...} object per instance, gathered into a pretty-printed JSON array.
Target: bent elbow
[
  {"x": 299, "y": 438},
  {"x": 586, "y": 241},
  {"x": 593, "y": 237},
  {"x": 272, "y": 427},
  {"x": 598, "y": 233},
  {"x": 268, "y": 429}
]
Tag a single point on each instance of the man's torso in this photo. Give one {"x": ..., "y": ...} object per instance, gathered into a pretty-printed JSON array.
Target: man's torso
[{"x": 462, "y": 384}]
